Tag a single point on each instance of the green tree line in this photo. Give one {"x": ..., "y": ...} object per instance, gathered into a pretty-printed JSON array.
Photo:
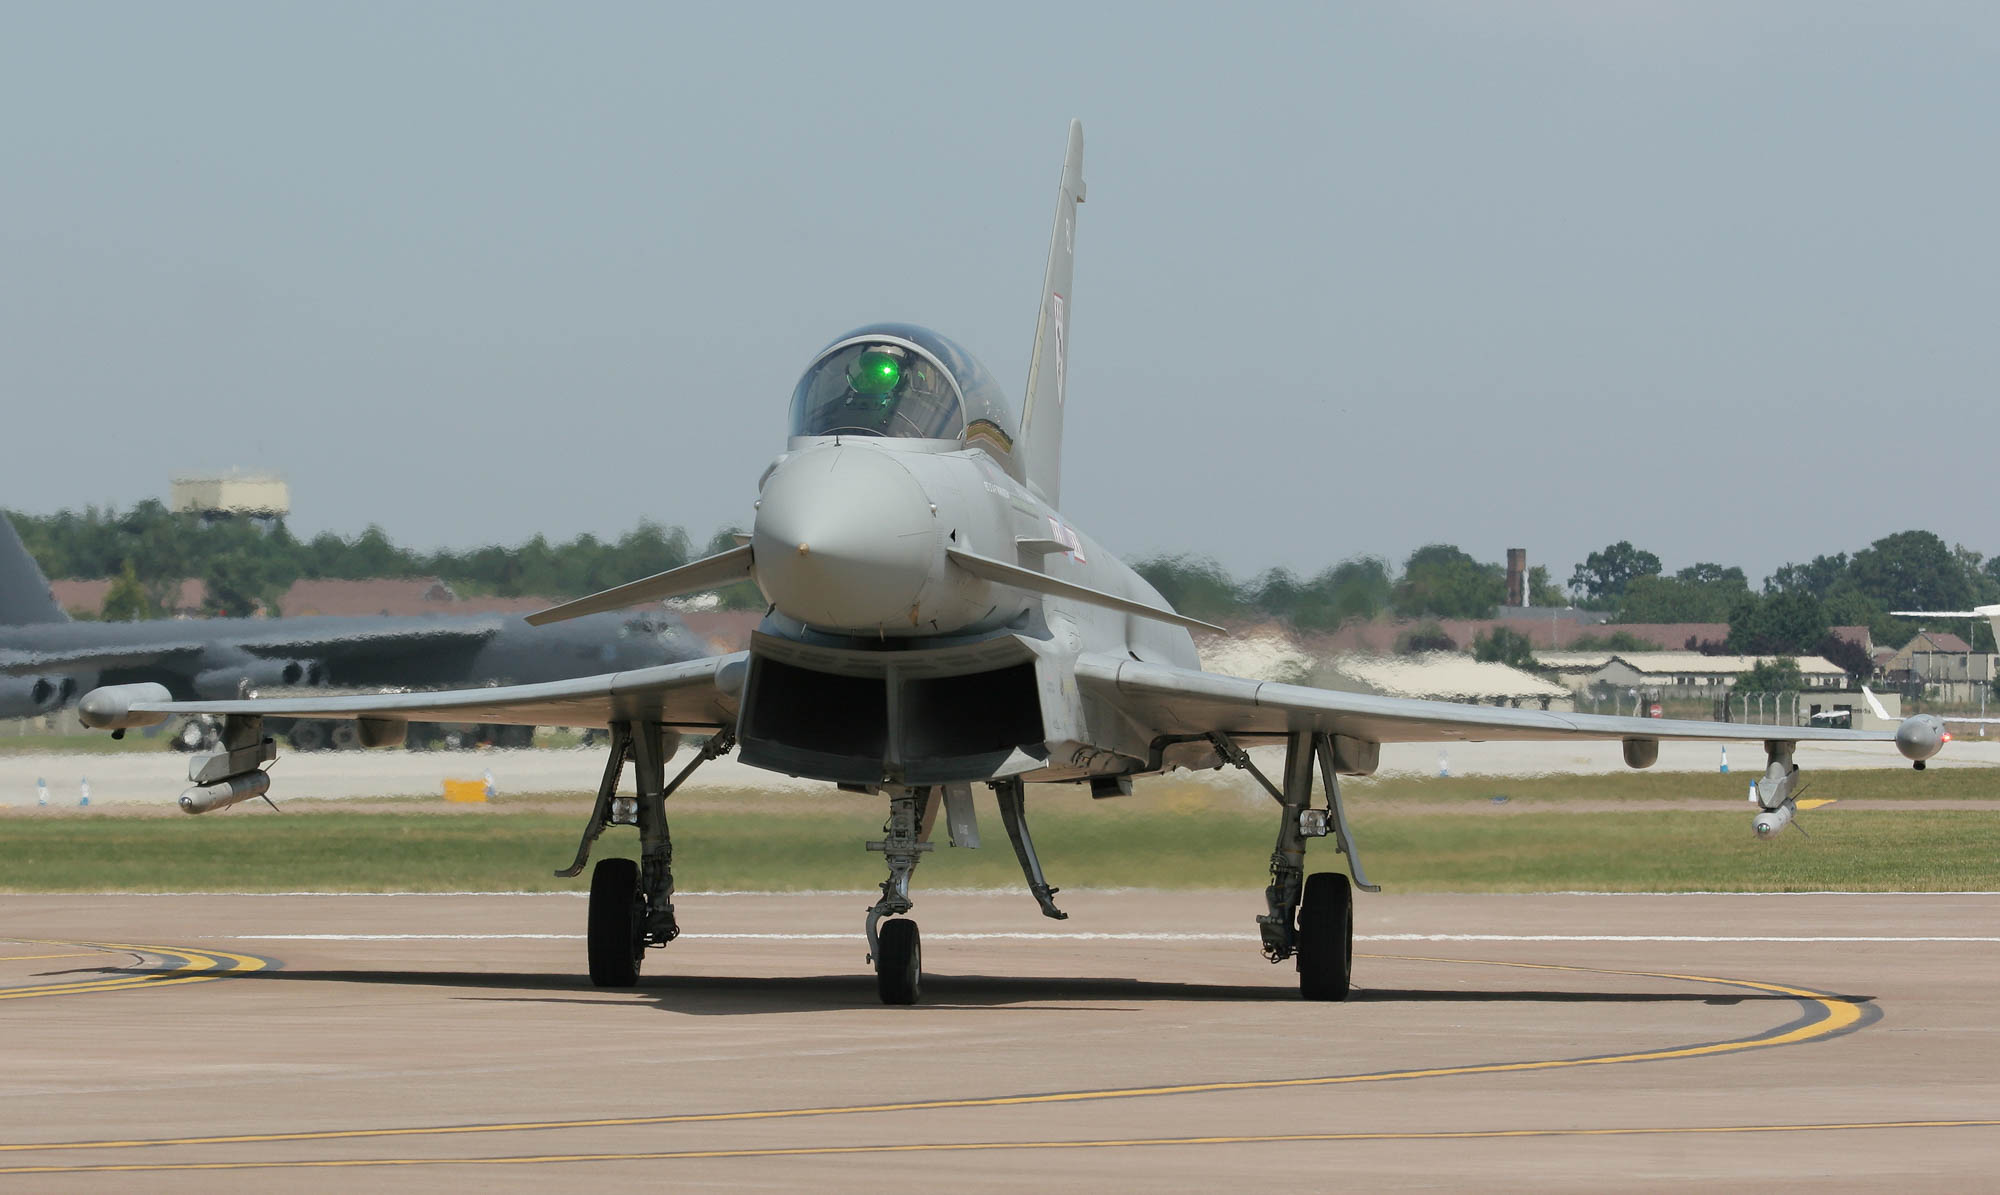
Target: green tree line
[
  {"x": 149, "y": 550},
  {"x": 1792, "y": 611}
]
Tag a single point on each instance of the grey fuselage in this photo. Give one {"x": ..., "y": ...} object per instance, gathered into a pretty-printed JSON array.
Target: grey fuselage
[{"x": 882, "y": 662}]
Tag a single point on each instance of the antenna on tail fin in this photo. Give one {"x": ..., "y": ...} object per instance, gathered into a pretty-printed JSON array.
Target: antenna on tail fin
[
  {"x": 1042, "y": 413},
  {"x": 24, "y": 591}
]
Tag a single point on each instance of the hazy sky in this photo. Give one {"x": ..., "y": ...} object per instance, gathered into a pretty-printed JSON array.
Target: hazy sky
[{"x": 1721, "y": 278}]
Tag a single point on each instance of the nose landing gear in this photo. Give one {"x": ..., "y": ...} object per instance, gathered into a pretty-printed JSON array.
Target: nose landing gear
[{"x": 895, "y": 948}]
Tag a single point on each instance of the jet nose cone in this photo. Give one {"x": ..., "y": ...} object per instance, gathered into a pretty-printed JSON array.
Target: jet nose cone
[{"x": 845, "y": 539}]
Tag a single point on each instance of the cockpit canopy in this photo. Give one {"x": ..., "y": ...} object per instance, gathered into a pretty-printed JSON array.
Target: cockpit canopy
[
  {"x": 878, "y": 386},
  {"x": 902, "y": 381}
]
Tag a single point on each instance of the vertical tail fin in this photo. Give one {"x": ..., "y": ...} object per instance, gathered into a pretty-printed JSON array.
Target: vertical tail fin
[
  {"x": 1042, "y": 413},
  {"x": 24, "y": 591}
]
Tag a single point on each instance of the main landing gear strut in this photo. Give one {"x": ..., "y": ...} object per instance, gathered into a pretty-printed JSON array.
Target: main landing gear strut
[
  {"x": 631, "y": 902},
  {"x": 1309, "y": 919}
]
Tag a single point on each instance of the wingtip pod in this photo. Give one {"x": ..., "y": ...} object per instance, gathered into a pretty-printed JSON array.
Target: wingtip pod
[
  {"x": 110, "y": 708},
  {"x": 1921, "y": 736}
]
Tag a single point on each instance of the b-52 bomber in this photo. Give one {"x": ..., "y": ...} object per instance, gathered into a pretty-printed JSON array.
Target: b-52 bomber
[
  {"x": 936, "y": 622},
  {"x": 46, "y": 659}
]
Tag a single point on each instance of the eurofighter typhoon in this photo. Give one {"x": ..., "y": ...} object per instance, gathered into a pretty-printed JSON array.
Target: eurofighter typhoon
[{"x": 936, "y": 621}]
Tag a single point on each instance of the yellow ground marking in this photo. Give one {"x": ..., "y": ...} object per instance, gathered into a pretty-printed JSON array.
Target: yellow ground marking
[
  {"x": 192, "y": 967},
  {"x": 1835, "y": 1014},
  {"x": 820, "y": 1151},
  {"x": 22, "y": 958}
]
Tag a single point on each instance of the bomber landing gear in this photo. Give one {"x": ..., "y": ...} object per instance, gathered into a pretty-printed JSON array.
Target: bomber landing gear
[{"x": 631, "y": 902}]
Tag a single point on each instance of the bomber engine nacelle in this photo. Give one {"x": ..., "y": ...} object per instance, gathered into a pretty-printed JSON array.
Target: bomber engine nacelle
[
  {"x": 226, "y": 684},
  {"x": 33, "y": 696}
]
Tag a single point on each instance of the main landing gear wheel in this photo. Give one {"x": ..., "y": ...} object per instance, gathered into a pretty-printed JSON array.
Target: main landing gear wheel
[
  {"x": 616, "y": 947},
  {"x": 899, "y": 962},
  {"x": 1326, "y": 936}
]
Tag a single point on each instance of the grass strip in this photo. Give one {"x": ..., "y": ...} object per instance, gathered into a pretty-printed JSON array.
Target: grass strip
[{"x": 1096, "y": 845}]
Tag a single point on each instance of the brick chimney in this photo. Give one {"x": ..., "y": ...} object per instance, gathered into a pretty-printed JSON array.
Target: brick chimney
[{"x": 1517, "y": 576}]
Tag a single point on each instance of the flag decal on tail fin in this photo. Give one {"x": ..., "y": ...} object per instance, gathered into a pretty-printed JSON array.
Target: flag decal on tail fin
[{"x": 1056, "y": 314}]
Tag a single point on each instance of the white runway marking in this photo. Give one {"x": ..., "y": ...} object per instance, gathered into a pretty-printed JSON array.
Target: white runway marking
[
  {"x": 819, "y": 892},
  {"x": 1022, "y": 936}
]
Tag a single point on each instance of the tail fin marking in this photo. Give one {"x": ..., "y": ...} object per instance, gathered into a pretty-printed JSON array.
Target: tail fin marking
[{"x": 1042, "y": 413}]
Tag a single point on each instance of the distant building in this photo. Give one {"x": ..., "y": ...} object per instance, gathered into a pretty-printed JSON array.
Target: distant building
[
  {"x": 1849, "y": 711},
  {"x": 1674, "y": 673},
  {"x": 230, "y": 495},
  {"x": 1943, "y": 664},
  {"x": 1574, "y": 670},
  {"x": 85, "y": 598}
]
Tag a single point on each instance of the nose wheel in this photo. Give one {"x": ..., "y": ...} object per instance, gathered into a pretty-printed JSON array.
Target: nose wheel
[{"x": 899, "y": 962}]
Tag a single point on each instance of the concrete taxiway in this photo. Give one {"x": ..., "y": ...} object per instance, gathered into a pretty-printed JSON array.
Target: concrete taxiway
[{"x": 1570, "y": 1042}]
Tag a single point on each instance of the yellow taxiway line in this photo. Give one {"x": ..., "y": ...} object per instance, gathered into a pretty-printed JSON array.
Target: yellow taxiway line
[
  {"x": 191, "y": 967},
  {"x": 1826, "y": 1015},
  {"x": 811, "y": 1151}
]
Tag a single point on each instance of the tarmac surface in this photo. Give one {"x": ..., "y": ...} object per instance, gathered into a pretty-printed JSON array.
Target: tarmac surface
[
  {"x": 1556, "y": 1042},
  {"x": 160, "y": 777}
]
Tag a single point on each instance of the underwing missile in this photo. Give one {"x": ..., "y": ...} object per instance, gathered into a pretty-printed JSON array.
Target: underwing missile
[
  {"x": 1769, "y": 822},
  {"x": 230, "y": 790}
]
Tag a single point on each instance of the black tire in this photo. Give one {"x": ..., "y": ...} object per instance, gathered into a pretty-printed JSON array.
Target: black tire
[
  {"x": 308, "y": 736},
  {"x": 899, "y": 963},
  {"x": 1326, "y": 937},
  {"x": 615, "y": 946},
  {"x": 345, "y": 736}
]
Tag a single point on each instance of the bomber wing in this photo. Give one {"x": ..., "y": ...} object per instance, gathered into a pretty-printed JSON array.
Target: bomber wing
[
  {"x": 1182, "y": 701},
  {"x": 332, "y": 642},
  {"x": 25, "y": 661},
  {"x": 279, "y": 640},
  {"x": 692, "y": 695}
]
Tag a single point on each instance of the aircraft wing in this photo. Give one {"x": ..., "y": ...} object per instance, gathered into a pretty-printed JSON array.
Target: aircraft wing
[
  {"x": 325, "y": 644},
  {"x": 280, "y": 642},
  {"x": 27, "y": 661},
  {"x": 1191, "y": 702},
  {"x": 692, "y": 695}
]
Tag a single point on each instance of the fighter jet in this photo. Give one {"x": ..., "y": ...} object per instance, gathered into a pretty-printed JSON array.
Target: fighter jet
[
  {"x": 46, "y": 659},
  {"x": 937, "y": 622}
]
